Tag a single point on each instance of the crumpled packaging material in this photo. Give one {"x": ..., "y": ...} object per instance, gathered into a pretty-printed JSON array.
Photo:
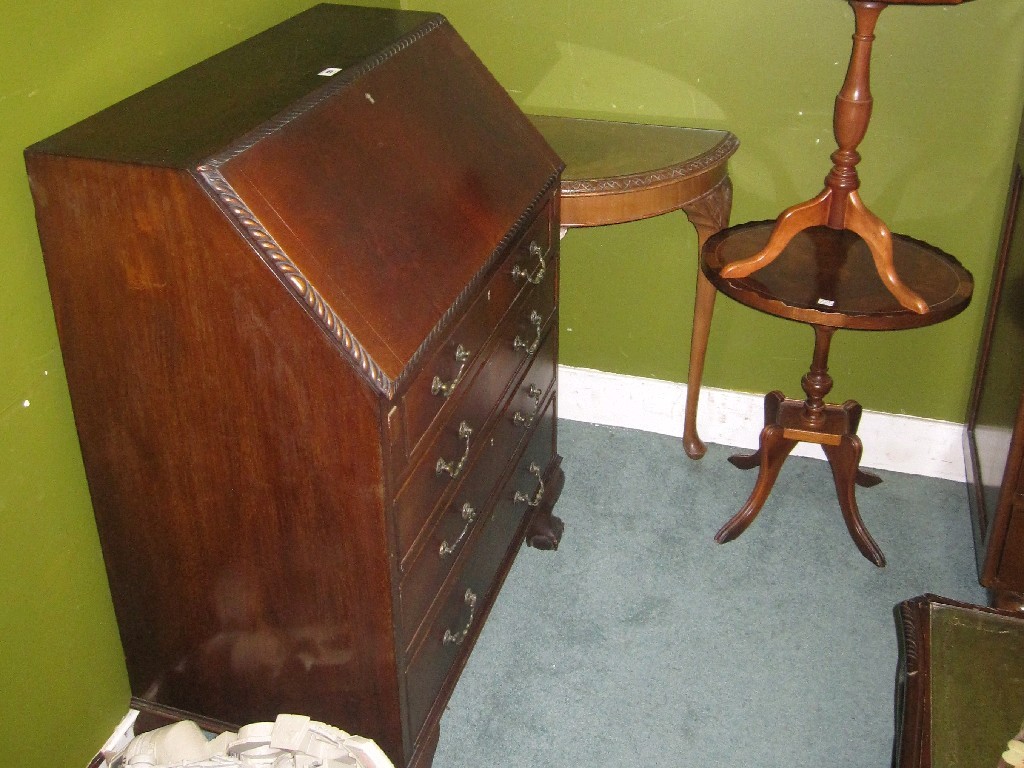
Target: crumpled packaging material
[{"x": 291, "y": 741}]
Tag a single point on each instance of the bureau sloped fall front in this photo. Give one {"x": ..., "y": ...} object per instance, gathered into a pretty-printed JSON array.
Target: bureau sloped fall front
[{"x": 306, "y": 293}]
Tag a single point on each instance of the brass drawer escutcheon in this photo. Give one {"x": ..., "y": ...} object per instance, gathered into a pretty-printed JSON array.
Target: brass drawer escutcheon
[
  {"x": 539, "y": 495},
  {"x": 518, "y": 273},
  {"x": 537, "y": 322},
  {"x": 456, "y": 638},
  {"x": 455, "y": 469},
  {"x": 534, "y": 392},
  {"x": 469, "y": 515},
  {"x": 445, "y": 389}
]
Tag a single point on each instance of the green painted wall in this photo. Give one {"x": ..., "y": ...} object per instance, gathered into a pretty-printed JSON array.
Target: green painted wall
[
  {"x": 947, "y": 83},
  {"x": 948, "y": 89}
]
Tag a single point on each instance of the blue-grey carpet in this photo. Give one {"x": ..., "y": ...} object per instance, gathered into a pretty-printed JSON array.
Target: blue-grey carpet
[{"x": 641, "y": 642}]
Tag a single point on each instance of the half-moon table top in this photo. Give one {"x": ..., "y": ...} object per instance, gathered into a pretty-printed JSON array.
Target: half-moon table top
[
  {"x": 827, "y": 277},
  {"x": 617, "y": 172}
]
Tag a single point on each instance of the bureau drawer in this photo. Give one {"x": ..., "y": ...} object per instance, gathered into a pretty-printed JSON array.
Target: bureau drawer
[
  {"x": 456, "y": 528},
  {"x": 469, "y": 594},
  {"x": 452, "y": 367},
  {"x": 448, "y": 459}
]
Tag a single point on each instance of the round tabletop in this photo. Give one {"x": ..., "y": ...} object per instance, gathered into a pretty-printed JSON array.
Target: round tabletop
[
  {"x": 827, "y": 277},
  {"x": 617, "y": 172}
]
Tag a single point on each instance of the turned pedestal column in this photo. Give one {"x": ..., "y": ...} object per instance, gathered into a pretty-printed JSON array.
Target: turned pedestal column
[{"x": 832, "y": 263}]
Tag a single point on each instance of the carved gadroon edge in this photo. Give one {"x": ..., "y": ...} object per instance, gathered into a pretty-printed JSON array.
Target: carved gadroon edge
[
  {"x": 274, "y": 255},
  {"x": 298, "y": 284},
  {"x": 911, "y": 613},
  {"x": 264, "y": 243},
  {"x": 474, "y": 284},
  {"x": 692, "y": 167}
]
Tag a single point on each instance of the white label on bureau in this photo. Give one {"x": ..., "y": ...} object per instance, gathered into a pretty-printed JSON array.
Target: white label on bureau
[{"x": 329, "y": 72}]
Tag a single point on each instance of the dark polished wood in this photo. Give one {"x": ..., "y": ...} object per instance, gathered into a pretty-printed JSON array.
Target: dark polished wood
[
  {"x": 786, "y": 424},
  {"x": 826, "y": 279},
  {"x": 309, "y": 323},
  {"x": 831, "y": 263},
  {"x": 994, "y": 435},
  {"x": 957, "y": 698},
  {"x": 618, "y": 172},
  {"x": 544, "y": 530}
]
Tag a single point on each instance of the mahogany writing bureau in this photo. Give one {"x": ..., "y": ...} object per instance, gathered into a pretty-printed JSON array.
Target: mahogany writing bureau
[{"x": 306, "y": 293}]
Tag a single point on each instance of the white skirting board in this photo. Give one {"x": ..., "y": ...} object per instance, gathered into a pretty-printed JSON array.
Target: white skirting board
[{"x": 899, "y": 443}]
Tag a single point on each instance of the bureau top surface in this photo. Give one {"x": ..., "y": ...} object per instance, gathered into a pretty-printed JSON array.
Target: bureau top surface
[{"x": 194, "y": 114}]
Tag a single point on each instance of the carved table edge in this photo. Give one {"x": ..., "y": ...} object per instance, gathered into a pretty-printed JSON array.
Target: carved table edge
[
  {"x": 912, "y": 739},
  {"x": 681, "y": 171}
]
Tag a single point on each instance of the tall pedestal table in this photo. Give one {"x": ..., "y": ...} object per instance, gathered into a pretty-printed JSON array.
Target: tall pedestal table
[{"x": 832, "y": 263}]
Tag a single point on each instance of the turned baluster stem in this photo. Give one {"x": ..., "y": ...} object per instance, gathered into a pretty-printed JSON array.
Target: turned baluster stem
[
  {"x": 852, "y": 112},
  {"x": 816, "y": 382}
]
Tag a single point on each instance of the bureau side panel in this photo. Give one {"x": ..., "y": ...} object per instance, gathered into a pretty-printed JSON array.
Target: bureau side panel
[{"x": 233, "y": 457}]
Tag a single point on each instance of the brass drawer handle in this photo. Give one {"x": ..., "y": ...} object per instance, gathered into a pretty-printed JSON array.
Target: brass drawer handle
[
  {"x": 455, "y": 469},
  {"x": 535, "y": 501},
  {"x": 525, "y": 421},
  {"x": 537, "y": 322},
  {"x": 456, "y": 638},
  {"x": 518, "y": 273},
  {"x": 445, "y": 389},
  {"x": 469, "y": 515}
]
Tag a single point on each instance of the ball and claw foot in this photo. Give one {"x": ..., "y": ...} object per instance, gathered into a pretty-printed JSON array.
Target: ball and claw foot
[{"x": 544, "y": 531}]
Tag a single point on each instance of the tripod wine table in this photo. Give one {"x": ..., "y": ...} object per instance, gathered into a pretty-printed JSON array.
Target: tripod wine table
[
  {"x": 826, "y": 278},
  {"x": 831, "y": 263}
]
